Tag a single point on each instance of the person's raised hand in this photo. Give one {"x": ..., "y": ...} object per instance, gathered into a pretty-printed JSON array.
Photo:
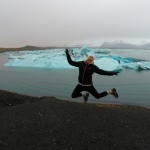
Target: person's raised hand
[{"x": 66, "y": 50}]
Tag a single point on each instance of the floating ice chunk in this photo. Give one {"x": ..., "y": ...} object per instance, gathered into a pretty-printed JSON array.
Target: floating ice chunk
[
  {"x": 108, "y": 64},
  {"x": 143, "y": 65},
  {"x": 84, "y": 50},
  {"x": 40, "y": 61},
  {"x": 103, "y": 51},
  {"x": 130, "y": 65},
  {"x": 10, "y": 56}
]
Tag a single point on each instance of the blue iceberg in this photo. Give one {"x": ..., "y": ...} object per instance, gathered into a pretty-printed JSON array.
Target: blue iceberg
[{"x": 56, "y": 59}]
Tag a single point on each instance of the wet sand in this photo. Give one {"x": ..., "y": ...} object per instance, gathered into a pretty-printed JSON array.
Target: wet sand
[{"x": 47, "y": 123}]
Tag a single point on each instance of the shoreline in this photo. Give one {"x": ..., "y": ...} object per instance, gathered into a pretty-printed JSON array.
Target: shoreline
[
  {"x": 49, "y": 123},
  {"x": 8, "y": 98}
]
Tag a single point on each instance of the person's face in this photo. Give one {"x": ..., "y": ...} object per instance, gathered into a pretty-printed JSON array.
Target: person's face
[{"x": 90, "y": 59}]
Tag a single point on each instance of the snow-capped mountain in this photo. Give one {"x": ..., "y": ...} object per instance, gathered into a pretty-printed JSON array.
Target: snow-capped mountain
[{"x": 124, "y": 45}]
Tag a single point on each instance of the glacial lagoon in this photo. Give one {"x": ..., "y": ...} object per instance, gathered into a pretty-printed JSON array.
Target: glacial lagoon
[{"x": 132, "y": 83}]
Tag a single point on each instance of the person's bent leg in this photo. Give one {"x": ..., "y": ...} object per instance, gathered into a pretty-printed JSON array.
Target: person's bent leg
[
  {"x": 97, "y": 95},
  {"x": 77, "y": 91}
]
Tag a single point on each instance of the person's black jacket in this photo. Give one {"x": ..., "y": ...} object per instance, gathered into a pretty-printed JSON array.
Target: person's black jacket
[{"x": 86, "y": 70}]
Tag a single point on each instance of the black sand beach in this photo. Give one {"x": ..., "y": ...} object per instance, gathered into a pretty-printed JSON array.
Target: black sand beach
[{"x": 47, "y": 123}]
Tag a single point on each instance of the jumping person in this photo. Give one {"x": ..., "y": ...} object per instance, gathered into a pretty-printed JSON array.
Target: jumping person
[{"x": 86, "y": 70}]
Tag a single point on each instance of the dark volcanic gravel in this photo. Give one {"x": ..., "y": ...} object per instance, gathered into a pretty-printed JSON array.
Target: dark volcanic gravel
[{"x": 46, "y": 123}]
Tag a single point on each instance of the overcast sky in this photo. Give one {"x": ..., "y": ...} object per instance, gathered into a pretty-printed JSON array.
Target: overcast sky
[{"x": 66, "y": 22}]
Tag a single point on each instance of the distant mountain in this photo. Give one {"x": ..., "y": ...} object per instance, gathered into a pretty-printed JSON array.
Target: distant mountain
[
  {"x": 124, "y": 45},
  {"x": 145, "y": 46},
  {"x": 28, "y": 47}
]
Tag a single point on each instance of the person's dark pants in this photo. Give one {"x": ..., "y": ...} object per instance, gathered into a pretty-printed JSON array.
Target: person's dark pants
[{"x": 79, "y": 88}]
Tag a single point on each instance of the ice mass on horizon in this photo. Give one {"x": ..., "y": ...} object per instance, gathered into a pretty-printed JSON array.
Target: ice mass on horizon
[{"x": 56, "y": 59}]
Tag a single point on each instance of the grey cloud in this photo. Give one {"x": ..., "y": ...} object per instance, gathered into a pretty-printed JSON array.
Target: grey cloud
[{"x": 55, "y": 22}]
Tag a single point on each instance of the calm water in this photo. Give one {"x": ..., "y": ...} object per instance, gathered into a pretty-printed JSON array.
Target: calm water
[{"x": 133, "y": 87}]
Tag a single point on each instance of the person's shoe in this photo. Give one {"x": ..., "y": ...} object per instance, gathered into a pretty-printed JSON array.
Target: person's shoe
[
  {"x": 86, "y": 95},
  {"x": 114, "y": 92}
]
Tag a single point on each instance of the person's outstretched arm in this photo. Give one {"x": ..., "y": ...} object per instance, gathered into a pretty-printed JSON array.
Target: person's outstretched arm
[
  {"x": 73, "y": 63},
  {"x": 103, "y": 72}
]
